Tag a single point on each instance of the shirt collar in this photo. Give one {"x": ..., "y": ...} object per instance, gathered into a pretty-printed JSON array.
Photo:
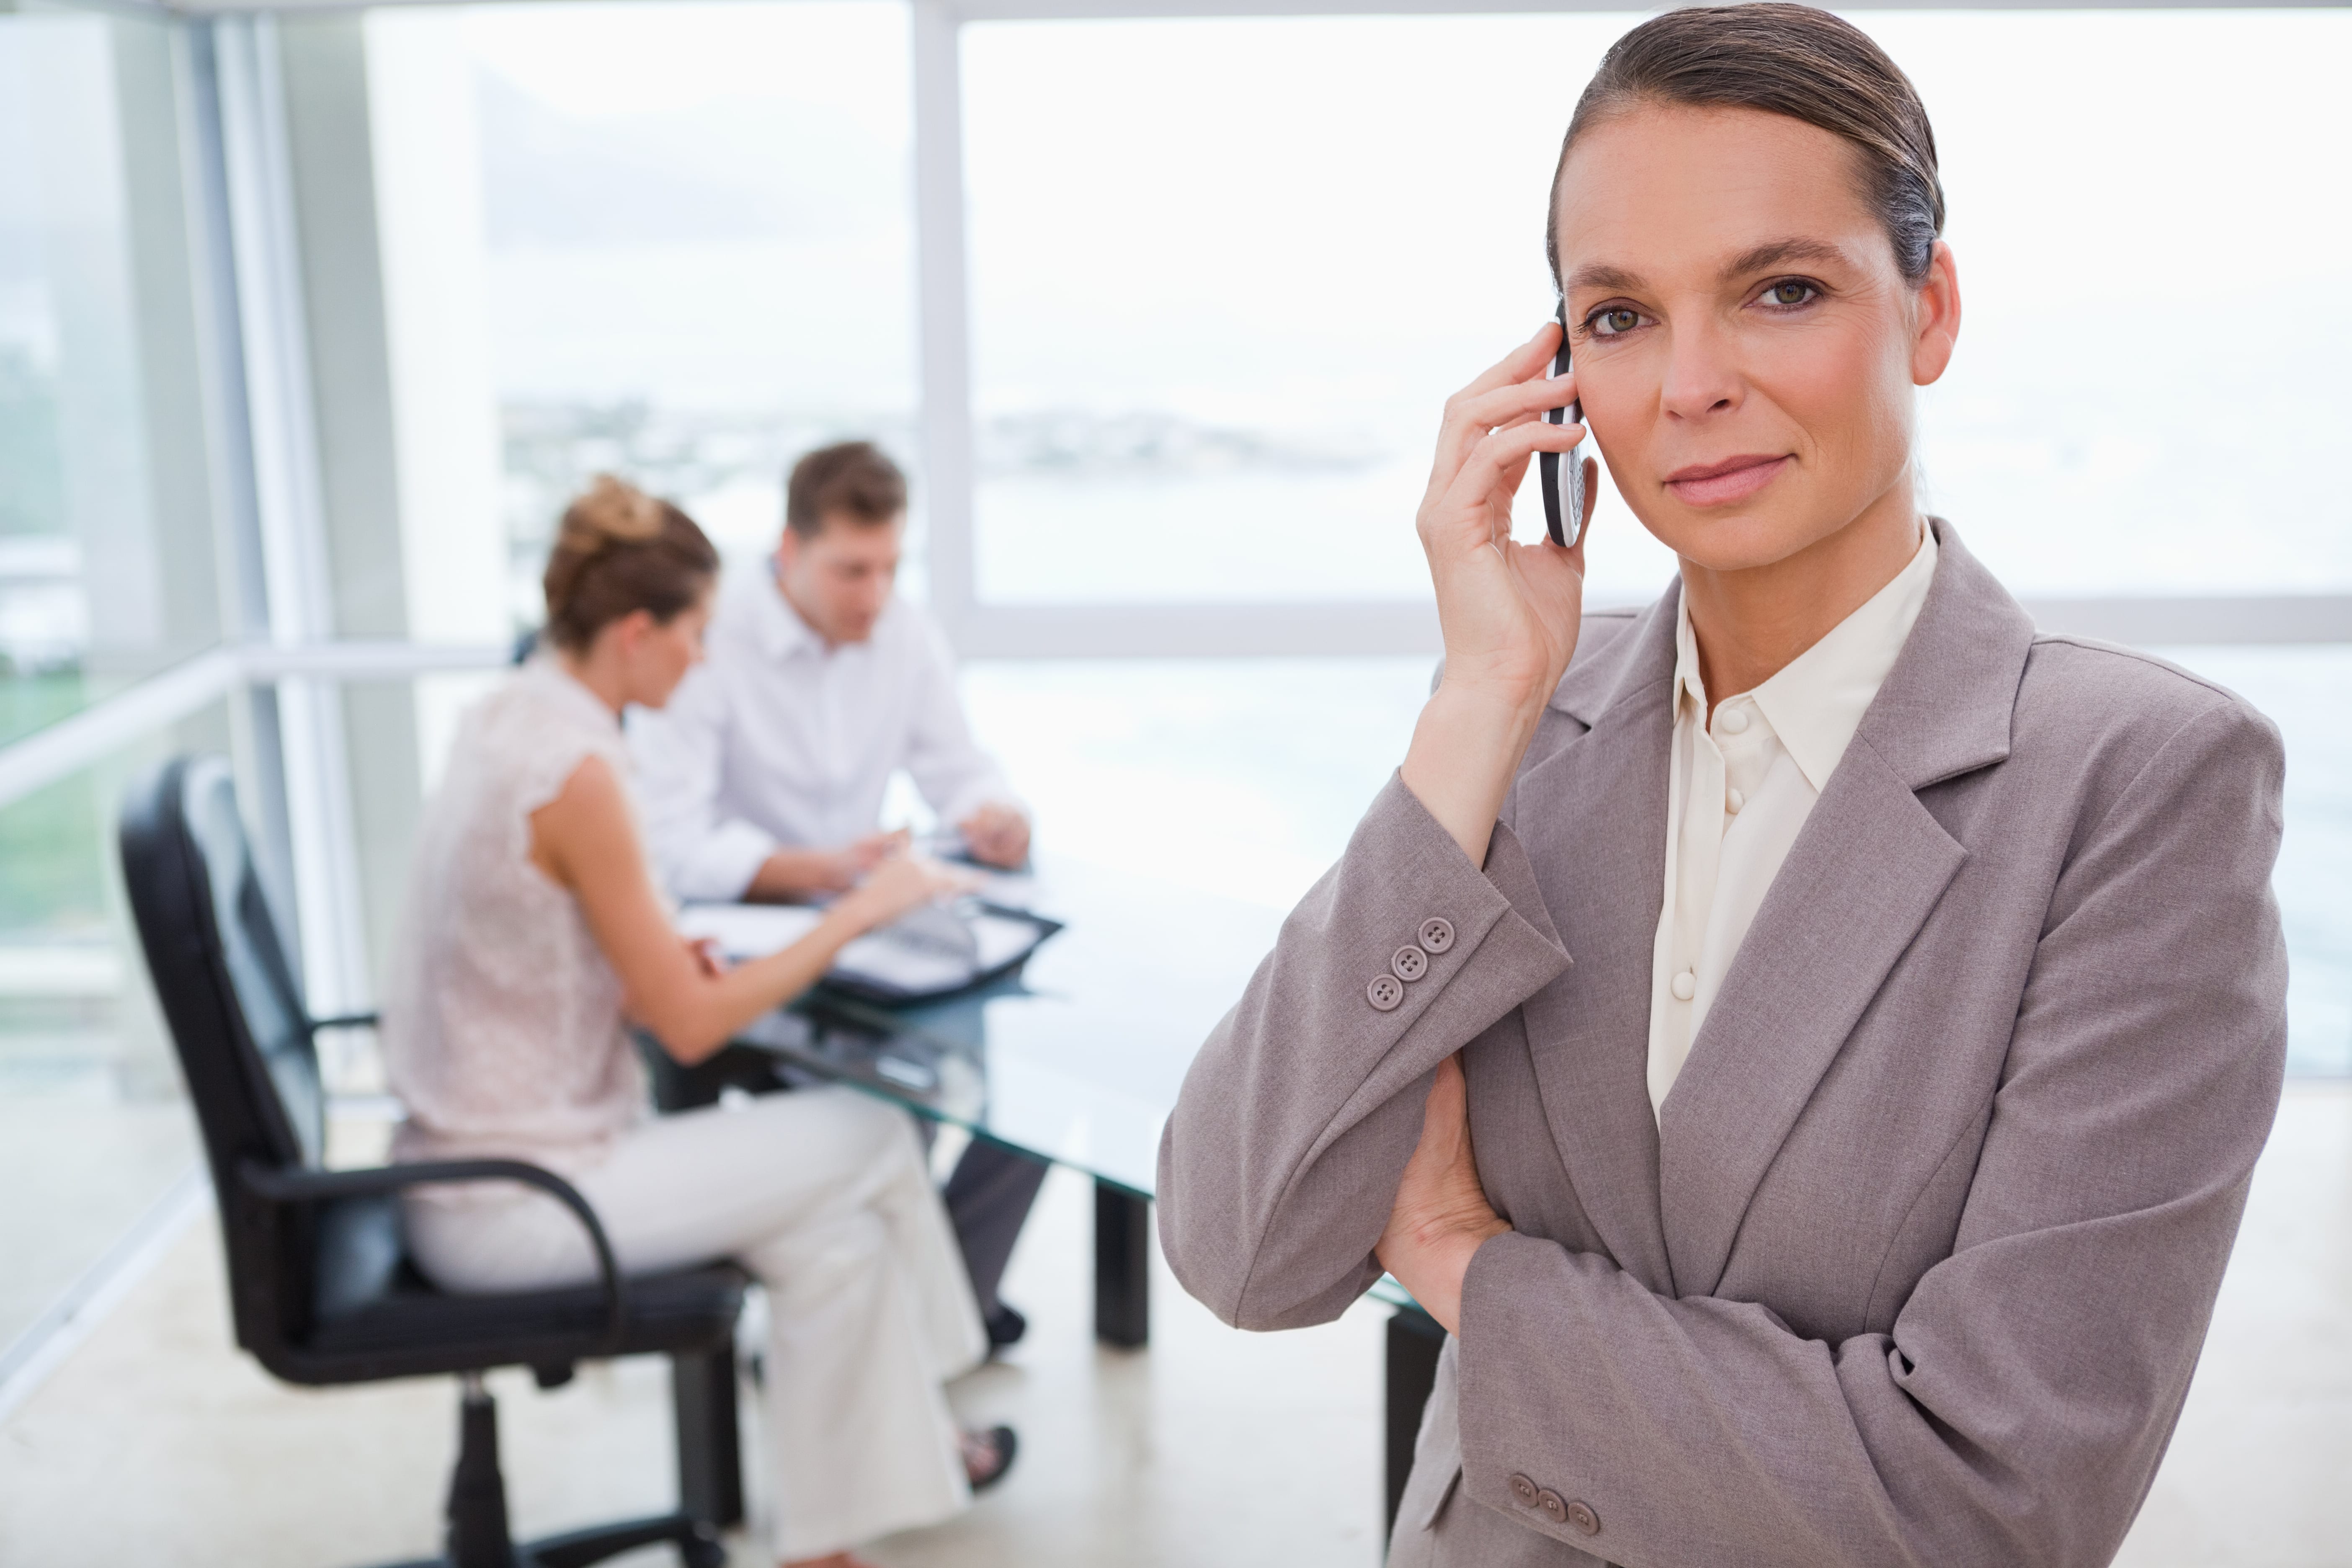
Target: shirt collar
[
  {"x": 1816, "y": 701},
  {"x": 782, "y": 634}
]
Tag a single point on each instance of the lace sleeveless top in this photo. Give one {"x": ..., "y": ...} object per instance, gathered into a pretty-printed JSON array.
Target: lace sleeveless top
[{"x": 502, "y": 1030}]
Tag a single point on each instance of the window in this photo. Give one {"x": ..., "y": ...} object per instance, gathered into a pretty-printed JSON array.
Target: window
[
  {"x": 91, "y": 1105},
  {"x": 106, "y": 559},
  {"x": 1213, "y": 332},
  {"x": 2158, "y": 290},
  {"x": 693, "y": 253},
  {"x": 1224, "y": 273}
]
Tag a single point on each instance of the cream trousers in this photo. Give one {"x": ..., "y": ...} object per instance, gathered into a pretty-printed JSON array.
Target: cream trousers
[{"x": 823, "y": 1196}]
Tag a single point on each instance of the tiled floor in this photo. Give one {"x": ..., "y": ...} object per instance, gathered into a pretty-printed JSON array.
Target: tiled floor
[
  {"x": 156, "y": 1443},
  {"x": 79, "y": 1166}
]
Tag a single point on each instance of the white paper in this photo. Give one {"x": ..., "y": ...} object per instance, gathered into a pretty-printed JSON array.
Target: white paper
[{"x": 749, "y": 931}]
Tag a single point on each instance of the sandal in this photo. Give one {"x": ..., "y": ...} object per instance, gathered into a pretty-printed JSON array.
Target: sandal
[{"x": 988, "y": 1455}]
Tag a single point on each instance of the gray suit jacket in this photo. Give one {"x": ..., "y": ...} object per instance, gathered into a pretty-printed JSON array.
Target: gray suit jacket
[{"x": 1914, "y": 1264}]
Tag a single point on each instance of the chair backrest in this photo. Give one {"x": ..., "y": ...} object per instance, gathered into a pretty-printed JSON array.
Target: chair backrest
[{"x": 235, "y": 1015}]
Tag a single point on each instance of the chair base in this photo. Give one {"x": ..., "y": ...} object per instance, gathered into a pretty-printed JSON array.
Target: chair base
[{"x": 477, "y": 1534}]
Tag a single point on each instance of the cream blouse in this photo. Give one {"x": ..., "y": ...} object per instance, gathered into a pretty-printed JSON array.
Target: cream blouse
[
  {"x": 1741, "y": 783},
  {"x": 503, "y": 1028}
]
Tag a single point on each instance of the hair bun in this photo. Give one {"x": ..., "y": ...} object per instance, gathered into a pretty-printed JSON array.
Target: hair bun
[
  {"x": 620, "y": 551},
  {"x": 613, "y": 512}
]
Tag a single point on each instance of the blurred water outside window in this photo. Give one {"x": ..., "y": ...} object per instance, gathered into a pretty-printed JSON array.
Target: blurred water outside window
[
  {"x": 1213, "y": 332},
  {"x": 693, "y": 247}
]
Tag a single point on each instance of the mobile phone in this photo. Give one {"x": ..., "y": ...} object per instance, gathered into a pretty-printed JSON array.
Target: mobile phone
[{"x": 1563, "y": 501}]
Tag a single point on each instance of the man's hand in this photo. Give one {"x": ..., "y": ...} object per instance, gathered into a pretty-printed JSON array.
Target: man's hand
[
  {"x": 1441, "y": 1215},
  {"x": 997, "y": 835},
  {"x": 790, "y": 874}
]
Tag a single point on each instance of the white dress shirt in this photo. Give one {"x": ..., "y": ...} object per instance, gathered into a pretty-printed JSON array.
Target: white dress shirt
[
  {"x": 1741, "y": 783},
  {"x": 778, "y": 740}
]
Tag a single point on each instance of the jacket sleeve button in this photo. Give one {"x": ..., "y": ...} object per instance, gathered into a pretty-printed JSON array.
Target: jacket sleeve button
[
  {"x": 1386, "y": 992},
  {"x": 1436, "y": 933},
  {"x": 1523, "y": 1491},
  {"x": 1410, "y": 964},
  {"x": 1583, "y": 1520}
]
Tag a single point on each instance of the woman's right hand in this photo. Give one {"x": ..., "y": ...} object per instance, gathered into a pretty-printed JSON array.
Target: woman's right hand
[
  {"x": 1509, "y": 611},
  {"x": 897, "y": 885}
]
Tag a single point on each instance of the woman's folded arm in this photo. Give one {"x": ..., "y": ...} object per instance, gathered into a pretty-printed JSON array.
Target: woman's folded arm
[{"x": 1280, "y": 1161}]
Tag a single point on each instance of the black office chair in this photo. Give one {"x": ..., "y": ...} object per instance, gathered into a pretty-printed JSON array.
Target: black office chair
[{"x": 320, "y": 1285}]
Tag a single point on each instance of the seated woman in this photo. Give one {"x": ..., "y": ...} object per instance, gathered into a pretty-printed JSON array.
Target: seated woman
[
  {"x": 533, "y": 934},
  {"x": 1807, "y": 1041}
]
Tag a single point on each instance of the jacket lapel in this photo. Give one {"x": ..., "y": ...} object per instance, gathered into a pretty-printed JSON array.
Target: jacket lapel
[
  {"x": 1592, "y": 816},
  {"x": 1863, "y": 877}
]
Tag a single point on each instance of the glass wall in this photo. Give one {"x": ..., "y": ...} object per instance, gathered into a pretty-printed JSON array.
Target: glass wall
[
  {"x": 106, "y": 542},
  {"x": 93, "y": 1123},
  {"x": 694, "y": 247},
  {"x": 1213, "y": 332},
  {"x": 2157, "y": 294}
]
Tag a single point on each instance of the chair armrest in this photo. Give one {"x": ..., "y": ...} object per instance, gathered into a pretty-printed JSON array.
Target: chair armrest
[
  {"x": 278, "y": 1185},
  {"x": 345, "y": 1021}
]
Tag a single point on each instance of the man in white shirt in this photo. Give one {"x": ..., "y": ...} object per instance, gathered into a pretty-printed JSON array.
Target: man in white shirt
[{"x": 763, "y": 778}]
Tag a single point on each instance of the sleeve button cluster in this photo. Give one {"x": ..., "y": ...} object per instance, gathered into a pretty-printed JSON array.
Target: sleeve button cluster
[
  {"x": 1409, "y": 963},
  {"x": 1576, "y": 1516}
]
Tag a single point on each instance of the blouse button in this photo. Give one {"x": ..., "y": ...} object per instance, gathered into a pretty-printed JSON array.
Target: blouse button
[
  {"x": 1733, "y": 800},
  {"x": 1685, "y": 986},
  {"x": 1733, "y": 721}
]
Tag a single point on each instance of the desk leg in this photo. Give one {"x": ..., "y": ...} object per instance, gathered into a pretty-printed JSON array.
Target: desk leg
[
  {"x": 1122, "y": 1266},
  {"x": 1415, "y": 1340}
]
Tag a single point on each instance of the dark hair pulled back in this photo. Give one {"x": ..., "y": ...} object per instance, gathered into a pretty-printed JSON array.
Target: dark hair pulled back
[
  {"x": 618, "y": 552},
  {"x": 1783, "y": 59}
]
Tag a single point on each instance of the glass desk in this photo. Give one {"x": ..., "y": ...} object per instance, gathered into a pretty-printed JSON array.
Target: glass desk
[
  {"x": 1075, "y": 1060},
  {"x": 1078, "y": 1057}
]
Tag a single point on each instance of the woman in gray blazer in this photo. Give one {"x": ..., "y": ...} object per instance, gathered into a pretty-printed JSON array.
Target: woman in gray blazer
[{"x": 1819, "y": 1112}]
